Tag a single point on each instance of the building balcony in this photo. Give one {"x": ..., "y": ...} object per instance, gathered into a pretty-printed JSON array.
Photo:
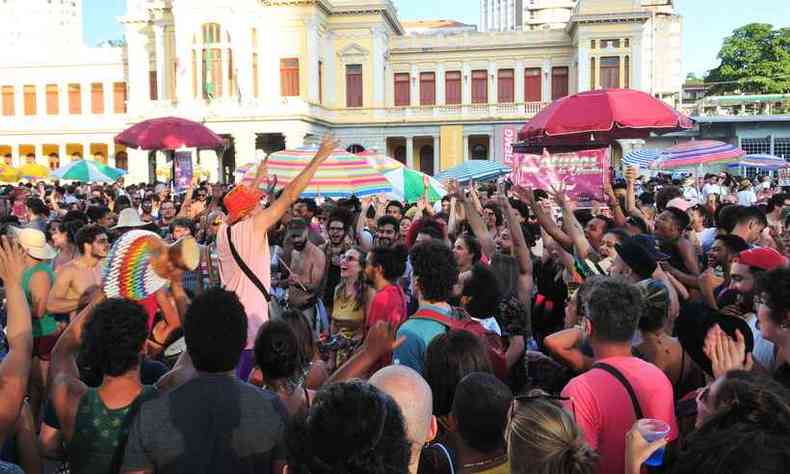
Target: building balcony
[{"x": 294, "y": 108}]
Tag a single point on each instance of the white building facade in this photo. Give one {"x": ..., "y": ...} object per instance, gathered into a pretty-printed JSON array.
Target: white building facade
[{"x": 268, "y": 74}]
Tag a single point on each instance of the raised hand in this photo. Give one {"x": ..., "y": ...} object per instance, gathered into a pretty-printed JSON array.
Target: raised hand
[
  {"x": 725, "y": 353},
  {"x": 558, "y": 193},
  {"x": 12, "y": 261},
  {"x": 328, "y": 144}
]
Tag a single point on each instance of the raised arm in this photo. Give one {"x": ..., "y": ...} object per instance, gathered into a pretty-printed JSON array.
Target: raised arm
[
  {"x": 15, "y": 367},
  {"x": 268, "y": 217},
  {"x": 186, "y": 206},
  {"x": 65, "y": 386},
  {"x": 614, "y": 203},
  {"x": 574, "y": 228},
  {"x": 363, "y": 237},
  {"x": 546, "y": 222},
  {"x": 520, "y": 247},
  {"x": 630, "y": 196},
  {"x": 475, "y": 220}
]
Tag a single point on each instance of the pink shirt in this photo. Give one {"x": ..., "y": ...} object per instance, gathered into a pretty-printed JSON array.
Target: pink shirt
[
  {"x": 604, "y": 411},
  {"x": 254, "y": 250}
]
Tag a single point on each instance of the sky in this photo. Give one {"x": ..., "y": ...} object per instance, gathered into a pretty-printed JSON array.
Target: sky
[{"x": 705, "y": 24}]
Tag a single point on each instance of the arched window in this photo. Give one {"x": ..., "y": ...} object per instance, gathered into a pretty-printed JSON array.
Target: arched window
[
  {"x": 426, "y": 159},
  {"x": 479, "y": 152},
  {"x": 355, "y": 149},
  {"x": 214, "y": 75}
]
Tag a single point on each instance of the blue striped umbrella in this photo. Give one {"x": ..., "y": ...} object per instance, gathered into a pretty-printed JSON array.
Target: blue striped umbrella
[
  {"x": 641, "y": 158},
  {"x": 478, "y": 170},
  {"x": 761, "y": 161}
]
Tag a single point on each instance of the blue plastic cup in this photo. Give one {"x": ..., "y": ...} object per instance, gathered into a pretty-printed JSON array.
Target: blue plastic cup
[{"x": 653, "y": 430}]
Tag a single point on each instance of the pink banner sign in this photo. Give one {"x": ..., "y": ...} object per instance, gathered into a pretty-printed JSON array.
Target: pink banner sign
[
  {"x": 508, "y": 136},
  {"x": 581, "y": 171}
]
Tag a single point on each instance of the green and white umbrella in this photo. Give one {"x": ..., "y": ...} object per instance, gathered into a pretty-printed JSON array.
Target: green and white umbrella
[
  {"x": 88, "y": 171},
  {"x": 407, "y": 184}
]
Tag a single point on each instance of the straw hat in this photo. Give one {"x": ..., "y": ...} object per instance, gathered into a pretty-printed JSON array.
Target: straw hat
[
  {"x": 129, "y": 218},
  {"x": 35, "y": 243}
]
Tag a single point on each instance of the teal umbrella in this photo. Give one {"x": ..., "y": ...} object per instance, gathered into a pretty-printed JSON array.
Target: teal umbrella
[{"x": 88, "y": 171}]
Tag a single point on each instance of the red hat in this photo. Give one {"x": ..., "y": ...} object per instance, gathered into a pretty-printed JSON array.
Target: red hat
[
  {"x": 241, "y": 201},
  {"x": 763, "y": 258}
]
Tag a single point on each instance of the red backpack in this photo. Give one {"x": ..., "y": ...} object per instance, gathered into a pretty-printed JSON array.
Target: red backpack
[{"x": 492, "y": 341}]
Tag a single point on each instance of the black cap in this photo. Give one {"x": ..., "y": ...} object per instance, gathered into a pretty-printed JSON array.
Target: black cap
[{"x": 637, "y": 257}]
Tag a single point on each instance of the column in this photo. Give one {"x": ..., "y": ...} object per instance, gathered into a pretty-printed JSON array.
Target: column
[
  {"x": 491, "y": 147},
  {"x": 466, "y": 148},
  {"x": 39, "y": 151},
  {"x": 19, "y": 100},
  {"x": 85, "y": 98},
  {"x": 379, "y": 49},
  {"x": 313, "y": 45},
  {"x": 294, "y": 139},
  {"x": 518, "y": 82},
  {"x": 109, "y": 93},
  {"x": 63, "y": 99},
  {"x": 225, "y": 79},
  {"x": 437, "y": 155},
  {"x": 583, "y": 70},
  {"x": 636, "y": 63},
  {"x": 242, "y": 59},
  {"x": 62, "y": 154},
  {"x": 16, "y": 162},
  {"x": 183, "y": 50},
  {"x": 414, "y": 77},
  {"x": 492, "y": 84},
  {"x": 329, "y": 70},
  {"x": 245, "y": 147},
  {"x": 111, "y": 153},
  {"x": 161, "y": 62},
  {"x": 410, "y": 152},
  {"x": 546, "y": 80},
  {"x": 466, "y": 84},
  {"x": 139, "y": 84},
  {"x": 86, "y": 151},
  {"x": 441, "y": 98},
  {"x": 41, "y": 99}
]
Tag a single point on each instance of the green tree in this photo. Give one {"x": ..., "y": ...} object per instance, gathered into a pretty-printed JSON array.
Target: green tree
[{"x": 754, "y": 59}]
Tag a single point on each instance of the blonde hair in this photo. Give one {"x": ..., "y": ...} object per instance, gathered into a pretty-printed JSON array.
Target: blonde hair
[{"x": 543, "y": 438}]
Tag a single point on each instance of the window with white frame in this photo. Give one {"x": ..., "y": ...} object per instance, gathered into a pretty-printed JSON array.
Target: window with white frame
[{"x": 782, "y": 147}]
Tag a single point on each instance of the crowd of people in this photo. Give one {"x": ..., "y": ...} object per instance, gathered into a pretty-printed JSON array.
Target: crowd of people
[{"x": 501, "y": 329}]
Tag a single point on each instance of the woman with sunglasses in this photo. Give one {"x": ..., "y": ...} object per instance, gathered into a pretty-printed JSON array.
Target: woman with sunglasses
[
  {"x": 350, "y": 304},
  {"x": 543, "y": 438}
]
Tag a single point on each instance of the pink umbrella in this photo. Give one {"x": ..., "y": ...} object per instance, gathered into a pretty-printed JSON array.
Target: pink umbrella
[
  {"x": 169, "y": 133},
  {"x": 602, "y": 116}
]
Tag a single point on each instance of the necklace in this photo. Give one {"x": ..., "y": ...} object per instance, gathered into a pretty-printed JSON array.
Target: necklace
[{"x": 491, "y": 462}]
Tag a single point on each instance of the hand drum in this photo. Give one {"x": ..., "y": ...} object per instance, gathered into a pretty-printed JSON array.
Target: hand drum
[{"x": 140, "y": 263}]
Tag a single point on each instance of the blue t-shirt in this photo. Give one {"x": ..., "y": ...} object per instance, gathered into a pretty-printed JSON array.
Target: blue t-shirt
[{"x": 419, "y": 333}]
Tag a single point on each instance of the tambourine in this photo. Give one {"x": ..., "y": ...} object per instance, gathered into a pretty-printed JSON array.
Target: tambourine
[{"x": 141, "y": 263}]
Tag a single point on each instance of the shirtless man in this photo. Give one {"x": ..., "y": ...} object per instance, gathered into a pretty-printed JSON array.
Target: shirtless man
[
  {"x": 74, "y": 278},
  {"x": 307, "y": 264}
]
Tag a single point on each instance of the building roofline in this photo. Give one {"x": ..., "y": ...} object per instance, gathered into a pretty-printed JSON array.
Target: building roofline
[{"x": 702, "y": 119}]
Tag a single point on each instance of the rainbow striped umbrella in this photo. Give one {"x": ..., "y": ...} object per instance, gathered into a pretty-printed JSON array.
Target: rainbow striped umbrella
[
  {"x": 383, "y": 163},
  {"x": 697, "y": 154},
  {"x": 764, "y": 162},
  {"x": 342, "y": 175}
]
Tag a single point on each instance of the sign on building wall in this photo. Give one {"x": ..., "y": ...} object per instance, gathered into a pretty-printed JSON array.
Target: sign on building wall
[
  {"x": 452, "y": 146},
  {"x": 581, "y": 171},
  {"x": 184, "y": 170},
  {"x": 506, "y": 137}
]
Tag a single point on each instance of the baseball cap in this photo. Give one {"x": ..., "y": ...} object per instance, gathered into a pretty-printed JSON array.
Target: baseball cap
[
  {"x": 295, "y": 227},
  {"x": 650, "y": 244},
  {"x": 679, "y": 203},
  {"x": 637, "y": 258},
  {"x": 763, "y": 258},
  {"x": 680, "y": 214}
]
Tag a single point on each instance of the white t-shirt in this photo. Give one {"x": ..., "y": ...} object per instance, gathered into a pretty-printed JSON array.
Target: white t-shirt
[
  {"x": 763, "y": 353},
  {"x": 747, "y": 198},
  {"x": 709, "y": 189}
]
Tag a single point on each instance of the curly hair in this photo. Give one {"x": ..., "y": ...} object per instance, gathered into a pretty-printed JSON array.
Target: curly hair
[
  {"x": 480, "y": 408},
  {"x": 215, "y": 330},
  {"x": 773, "y": 285},
  {"x": 435, "y": 267},
  {"x": 493, "y": 207},
  {"x": 542, "y": 437},
  {"x": 277, "y": 351},
  {"x": 614, "y": 307},
  {"x": 351, "y": 428},
  {"x": 483, "y": 290},
  {"x": 392, "y": 261},
  {"x": 747, "y": 433},
  {"x": 87, "y": 235},
  {"x": 449, "y": 358},
  {"x": 114, "y": 335}
]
